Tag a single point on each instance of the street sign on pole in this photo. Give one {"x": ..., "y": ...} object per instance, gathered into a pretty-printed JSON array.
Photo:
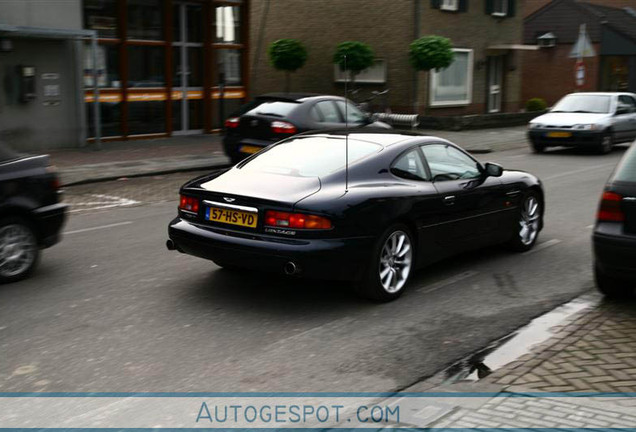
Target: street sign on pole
[
  {"x": 579, "y": 73},
  {"x": 583, "y": 46}
]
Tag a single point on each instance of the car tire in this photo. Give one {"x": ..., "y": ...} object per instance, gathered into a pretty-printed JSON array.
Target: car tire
[
  {"x": 528, "y": 222},
  {"x": 537, "y": 148},
  {"x": 610, "y": 287},
  {"x": 390, "y": 266},
  {"x": 606, "y": 144},
  {"x": 19, "y": 250}
]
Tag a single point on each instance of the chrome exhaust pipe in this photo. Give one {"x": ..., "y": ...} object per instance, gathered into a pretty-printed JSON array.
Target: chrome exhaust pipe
[{"x": 291, "y": 268}]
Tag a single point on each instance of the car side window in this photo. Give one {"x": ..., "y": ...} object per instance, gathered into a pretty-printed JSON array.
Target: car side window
[
  {"x": 409, "y": 166},
  {"x": 354, "y": 115},
  {"x": 329, "y": 112},
  {"x": 448, "y": 163},
  {"x": 627, "y": 100},
  {"x": 316, "y": 115}
]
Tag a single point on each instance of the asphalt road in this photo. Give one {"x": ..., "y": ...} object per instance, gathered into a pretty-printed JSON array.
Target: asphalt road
[{"x": 110, "y": 309}]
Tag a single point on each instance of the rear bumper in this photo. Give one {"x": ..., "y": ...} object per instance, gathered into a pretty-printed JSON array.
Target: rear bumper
[
  {"x": 49, "y": 221},
  {"x": 334, "y": 259},
  {"x": 233, "y": 146},
  {"x": 578, "y": 138},
  {"x": 616, "y": 255}
]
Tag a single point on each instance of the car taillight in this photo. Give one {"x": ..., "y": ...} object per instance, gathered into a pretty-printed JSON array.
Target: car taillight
[
  {"x": 232, "y": 122},
  {"x": 610, "y": 208},
  {"x": 295, "y": 220},
  {"x": 281, "y": 127},
  {"x": 189, "y": 204}
]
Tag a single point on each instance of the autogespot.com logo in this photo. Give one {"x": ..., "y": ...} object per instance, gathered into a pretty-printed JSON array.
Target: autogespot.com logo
[{"x": 242, "y": 415}]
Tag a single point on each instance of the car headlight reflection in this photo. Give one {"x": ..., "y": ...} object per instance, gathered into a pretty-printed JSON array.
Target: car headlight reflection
[{"x": 535, "y": 126}]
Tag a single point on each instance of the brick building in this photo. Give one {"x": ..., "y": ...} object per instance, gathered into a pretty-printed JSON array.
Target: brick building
[
  {"x": 486, "y": 34},
  {"x": 531, "y": 6},
  {"x": 612, "y": 33}
]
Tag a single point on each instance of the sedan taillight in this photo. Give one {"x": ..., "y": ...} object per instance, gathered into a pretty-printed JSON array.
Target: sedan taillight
[
  {"x": 189, "y": 204},
  {"x": 232, "y": 123},
  {"x": 295, "y": 220},
  {"x": 281, "y": 127},
  {"x": 610, "y": 208}
]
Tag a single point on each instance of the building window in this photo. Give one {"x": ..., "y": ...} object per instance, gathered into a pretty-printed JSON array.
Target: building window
[
  {"x": 228, "y": 63},
  {"x": 107, "y": 66},
  {"x": 500, "y": 7},
  {"x": 376, "y": 74},
  {"x": 227, "y": 24},
  {"x": 101, "y": 15},
  {"x": 449, "y": 5},
  {"x": 453, "y": 85},
  {"x": 146, "y": 66},
  {"x": 145, "y": 19}
]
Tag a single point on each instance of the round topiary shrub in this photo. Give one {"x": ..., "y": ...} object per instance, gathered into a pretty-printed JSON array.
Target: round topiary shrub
[{"x": 536, "y": 104}]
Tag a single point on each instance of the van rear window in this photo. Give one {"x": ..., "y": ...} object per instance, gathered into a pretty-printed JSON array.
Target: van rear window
[{"x": 626, "y": 171}]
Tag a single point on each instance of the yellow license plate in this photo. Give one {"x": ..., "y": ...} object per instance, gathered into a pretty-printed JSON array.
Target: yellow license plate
[
  {"x": 559, "y": 134},
  {"x": 250, "y": 149},
  {"x": 232, "y": 217}
]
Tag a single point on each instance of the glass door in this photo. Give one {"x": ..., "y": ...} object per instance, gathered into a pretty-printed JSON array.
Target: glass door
[
  {"x": 495, "y": 77},
  {"x": 187, "y": 95}
]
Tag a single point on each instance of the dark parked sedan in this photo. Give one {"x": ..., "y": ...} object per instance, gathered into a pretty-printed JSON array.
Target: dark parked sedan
[
  {"x": 275, "y": 116},
  {"x": 31, "y": 215},
  {"x": 403, "y": 202},
  {"x": 615, "y": 233}
]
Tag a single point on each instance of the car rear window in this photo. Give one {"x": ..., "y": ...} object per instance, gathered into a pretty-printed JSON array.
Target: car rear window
[
  {"x": 310, "y": 156},
  {"x": 275, "y": 108},
  {"x": 626, "y": 170}
]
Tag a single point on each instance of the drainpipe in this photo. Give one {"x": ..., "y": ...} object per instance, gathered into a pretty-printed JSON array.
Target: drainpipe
[
  {"x": 97, "y": 118},
  {"x": 259, "y": 43},
  {"x": 417, "y": 31}
]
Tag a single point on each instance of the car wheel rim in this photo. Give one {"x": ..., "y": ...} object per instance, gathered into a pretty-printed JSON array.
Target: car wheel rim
[
  {"x": 395, "y": 262},
  {"x": 529, "y": 222},
  {"x": 17, "y": 250}
]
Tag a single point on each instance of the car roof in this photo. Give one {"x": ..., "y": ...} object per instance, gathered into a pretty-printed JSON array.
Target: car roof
[
  {"x": 295, "y": 97},
  {"x": 603, "y": 94},
  {"x": 385, "y": 138}
]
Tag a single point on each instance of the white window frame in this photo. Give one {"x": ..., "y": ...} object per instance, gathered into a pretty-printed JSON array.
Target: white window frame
[
  {"x": 504, "y": 8},
  {"x": 376, "y": 74},
  {"x": 469, "y": 85},
  {"x": 449, "y": 5}
]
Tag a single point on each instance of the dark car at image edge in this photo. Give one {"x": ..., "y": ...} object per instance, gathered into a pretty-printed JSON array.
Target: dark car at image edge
[
  {"x": 614, "y": 235},
  {"x": 31, "y": 214},
  {"x": 405, "y": 201}
]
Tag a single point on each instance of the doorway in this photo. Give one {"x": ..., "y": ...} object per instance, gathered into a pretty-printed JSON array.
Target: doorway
[
  {"x": 188, "y": 55},
  {"x": 495, "y": 80}
]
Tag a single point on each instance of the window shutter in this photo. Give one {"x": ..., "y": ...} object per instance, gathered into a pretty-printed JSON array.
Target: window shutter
[
  {"x": 463, "y": 6},
  {"x": 490, "y": 7},
  {"x": 436, "y": 4},
  {"x": 512, "y": 7}
]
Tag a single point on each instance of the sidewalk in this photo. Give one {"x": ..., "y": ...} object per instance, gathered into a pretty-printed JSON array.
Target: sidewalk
[
  {"x": 200, "y": 152},
  {"x": 594, "y": 351}
]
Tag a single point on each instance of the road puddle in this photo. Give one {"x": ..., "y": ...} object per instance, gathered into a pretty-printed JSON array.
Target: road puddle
[{"x": 515, "y": 345}]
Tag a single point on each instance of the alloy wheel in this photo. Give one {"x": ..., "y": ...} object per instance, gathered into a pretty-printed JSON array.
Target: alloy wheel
[
  {"x": 395, "y": 262},
  {"x": 606, "y": 144},
  {"x": 529, "y": 221},
  {"x": 18, "y": 250}
]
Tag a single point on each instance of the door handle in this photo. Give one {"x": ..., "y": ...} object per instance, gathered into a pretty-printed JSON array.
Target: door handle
[{"x": 449, "y": 199}]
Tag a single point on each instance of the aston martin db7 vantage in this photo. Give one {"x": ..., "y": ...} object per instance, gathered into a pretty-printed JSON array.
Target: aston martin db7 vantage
[{"x": 369, "y": 207}]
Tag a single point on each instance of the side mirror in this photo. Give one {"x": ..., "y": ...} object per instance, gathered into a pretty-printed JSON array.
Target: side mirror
[{"x": 493, "y": 170}]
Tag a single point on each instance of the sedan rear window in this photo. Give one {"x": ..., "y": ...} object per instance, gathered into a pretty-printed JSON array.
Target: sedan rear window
[
  {"x": 275, "y": 108},
  {"x": 626, "y": 171},
  {"x": 310, "y": 157}
]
